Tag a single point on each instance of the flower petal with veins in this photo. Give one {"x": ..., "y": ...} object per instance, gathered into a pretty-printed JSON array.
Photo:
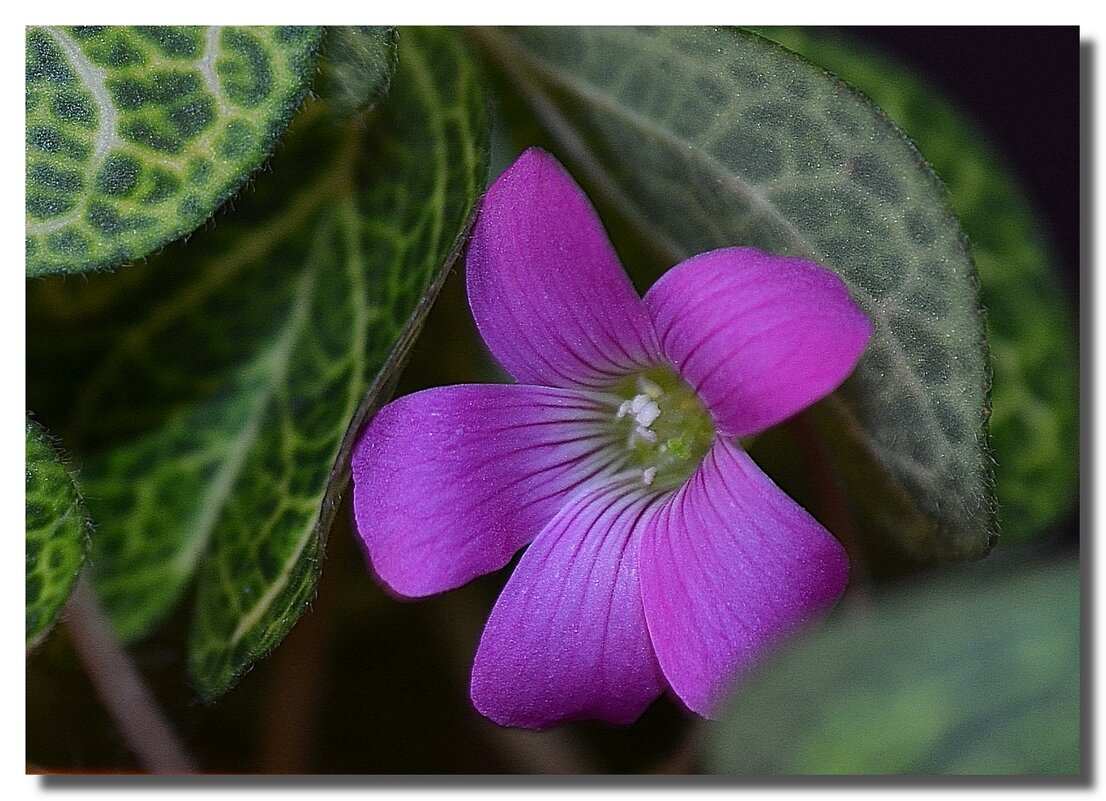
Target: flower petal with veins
[
  {"x": 728, "y": 567},
  {"x": 758, "y": 336},
  {"x": 567, "y": 638},
  {"x": 548, "y": 293},
  {"x": 450, "y": 482}
]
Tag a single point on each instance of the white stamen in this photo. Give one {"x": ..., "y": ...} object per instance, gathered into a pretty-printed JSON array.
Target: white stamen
[
  {"x": 646, "y": 434},
  {"x": 648, "y": 474},
  {"x": 623, "y": 410},
  {"x": 647, "y": 414},
  {"x": 638, "y": 403}
]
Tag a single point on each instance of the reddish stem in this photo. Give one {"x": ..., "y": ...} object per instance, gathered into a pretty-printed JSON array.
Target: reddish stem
[{"x": 120, "y": 686}]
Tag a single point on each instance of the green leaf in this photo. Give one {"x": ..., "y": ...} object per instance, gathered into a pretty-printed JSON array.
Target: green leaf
[
  {"x": 57, "y": 531},
  {"x": 215, "y": 392},
  {"x": 136, "y": 135},
  {"x": 1030, "y": 327},
  {"x": 693, "y": 139},
  {"x": 356, "y": 67},
  {"x": 914, "y": 683}
]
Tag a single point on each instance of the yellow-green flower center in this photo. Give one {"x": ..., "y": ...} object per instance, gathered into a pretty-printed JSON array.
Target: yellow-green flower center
[{"x": 663, "y": 426}]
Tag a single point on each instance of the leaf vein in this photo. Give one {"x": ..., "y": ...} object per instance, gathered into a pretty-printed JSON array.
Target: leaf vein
[{"x": 107, "y": 135}]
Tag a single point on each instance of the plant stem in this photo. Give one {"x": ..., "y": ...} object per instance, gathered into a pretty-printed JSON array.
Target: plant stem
[{"x": 120, "y": 686}]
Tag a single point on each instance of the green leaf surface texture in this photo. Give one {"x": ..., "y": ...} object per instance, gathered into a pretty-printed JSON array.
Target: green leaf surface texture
[
  {"x": 214, "y": 391},
  {"x": 695, "y": 139},
  {"x": 910, "y": 684},
  {"x": 57, "y": 533},
  {"x": 135, "y": 136},
  {"x": 1030, "y": 327}
]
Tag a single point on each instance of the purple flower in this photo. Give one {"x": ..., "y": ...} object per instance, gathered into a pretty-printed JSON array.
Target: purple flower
[{"x": 660, "y": 555}]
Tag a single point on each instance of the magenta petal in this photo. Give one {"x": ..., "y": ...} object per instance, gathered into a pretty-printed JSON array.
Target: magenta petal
[
  {"x": 567, "y": 638},
  {"x": 449, "y": 483},
  {"x": 728, "y": 567},
  {"x": 547, "y": 290},
  {"x": 760, "y": 337}
]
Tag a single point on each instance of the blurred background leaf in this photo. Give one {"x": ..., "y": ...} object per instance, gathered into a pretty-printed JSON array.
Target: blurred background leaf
[
  {"x": 1030, "y": 326},
  {"x": 913, "y": 683},
  {"x": 693, "y": 139},
  {"x": 210, "y": 396},
  {"x": 57, "y": 533},
  {"x": 136, "y": 135},
  {"x": 356, "y": 68}
]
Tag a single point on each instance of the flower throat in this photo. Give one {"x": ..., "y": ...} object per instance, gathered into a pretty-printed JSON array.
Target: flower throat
[{"x": 662, "y": 425}]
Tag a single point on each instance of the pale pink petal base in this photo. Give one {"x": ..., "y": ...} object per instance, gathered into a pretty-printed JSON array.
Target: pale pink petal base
[
  {"x": 449, "y": 483},
  {"x": 567, "y": 638},
  {"x": 546, "y": 288},
  {"x": 728, "y": 567},
  {"x": 758, "y": 336}
]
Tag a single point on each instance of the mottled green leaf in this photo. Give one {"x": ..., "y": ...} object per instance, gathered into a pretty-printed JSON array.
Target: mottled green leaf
[
  {"x": 693, "y": 139},
  {"x": 1035, "y": 400},
  {"x": 913, "y": 683},
  {"x": 57, "y": 530},
  {"x": 136, "y": 135},
  {"x": 356, "y": 67},
  {"x": 215, "y": 391}
]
